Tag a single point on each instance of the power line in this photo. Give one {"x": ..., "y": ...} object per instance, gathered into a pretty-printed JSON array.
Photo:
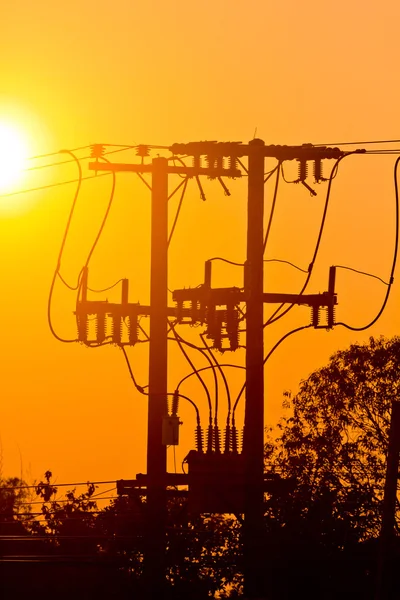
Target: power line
[{"x": 362, "y": 273}]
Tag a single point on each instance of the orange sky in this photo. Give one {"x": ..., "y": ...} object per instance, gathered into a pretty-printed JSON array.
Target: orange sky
[{"x": 160, "y": 72}]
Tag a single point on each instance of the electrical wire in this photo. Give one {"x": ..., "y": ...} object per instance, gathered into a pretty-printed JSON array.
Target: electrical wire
[
  {"x": 275, "y": 316},
  {"x": 53, "y": 185},
  {"x": 69, "y": 161},
  {"x": 228, "y": 394},
  {"x": 178, "y": 210},
  {"x": 271, "y": 215},
  {"x": 287, "y": 262},
  {"x": 230, "y": 262},
  {"x": 278, "y": 343},
  {"x": 180, "y": 342},
  {"x": 361, "y": 143},
  {"x": 395, "y": 250},
  {"x": 142, "y": 391},
  {"x": 34, "y": 487},
  {"x": 64, "y": 239},
  {"x": 110, "y": 287},
  {"x": 206, "y": 369},
  {"x": 362, "y": 273}
]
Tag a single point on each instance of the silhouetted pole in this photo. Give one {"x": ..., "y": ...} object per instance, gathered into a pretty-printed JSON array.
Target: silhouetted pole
[
  {"x": 154, "y": 565},
  {"x": 387, "y": 535},
  {"x": 253, "y": 448}
]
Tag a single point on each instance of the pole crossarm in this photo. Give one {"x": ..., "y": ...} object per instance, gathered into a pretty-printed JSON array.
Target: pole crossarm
[{"x": 189, "y": 171}]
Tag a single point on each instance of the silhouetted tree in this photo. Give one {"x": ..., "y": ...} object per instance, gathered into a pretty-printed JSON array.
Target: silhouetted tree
[{"x": 331, "y": 453}]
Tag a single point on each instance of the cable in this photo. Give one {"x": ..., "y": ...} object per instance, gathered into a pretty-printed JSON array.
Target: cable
[
  {"x": 391, "y": 278},
  {"x": 278, "y": 343},
  {"x": 273, "y": 318},
  {"x": 271, "y": 216},
  {"x": 356, "y": 143},
  {"x": 64, "y": 239},
  {"x": 230, "y": 262},
  {"x": 287, "y": 262},
  {"x": 141, "y": 389},
  {"x": 195, "y": 371},
  {"x": 228, "y": 394},
  {"x": 206, "y": 369},
  {"x": 53, "y": 185},
  {"x": 110, "y": 287},
  {"x": 34, "y": 487},
  {"x": 65, "y": 162},
  {"x": 362, "y": 273},
  {"x": 178, "y": 210}
]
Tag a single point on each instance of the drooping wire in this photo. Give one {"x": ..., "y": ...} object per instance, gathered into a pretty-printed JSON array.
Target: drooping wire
[
  {"x": 206, "y": 369},
  {"x": 228, "y": 394},
  {"x": 287, "y": 262},
  {"x": 278, "y": 343},
  {"x": 276, "y": 316},
  {"x": 178, "y": 210},
  {"x": 271, "y": 215},
  {"x": 395, "y": 250},
  {"x": 110, "y": 287},
  {"x": 63, "y": 242},
  {"x": 53, "y": 185},
  {"x": 362, "y": 273},
  {"x": 181, "y": 342},
  {"x": 141, "y": 389}
]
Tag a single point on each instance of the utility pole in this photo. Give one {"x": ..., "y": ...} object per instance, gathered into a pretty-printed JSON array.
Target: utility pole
[
  {"x": 154, "y": 564},
  {"x": 387, "y": 535},
  {"x": 253, "y": 447}
]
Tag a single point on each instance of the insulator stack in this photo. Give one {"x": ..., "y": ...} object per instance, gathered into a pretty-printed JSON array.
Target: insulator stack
[
  {"x": 232, "y": 162},
  {"x": 83, "y": 327},
  {"x": 97, "y": 150},
  {"x": 303, "y": 170},
  {"x": 142, "y": 150},
  {"x": 232, "y": 327},
  {"x": 220, "y": 162},
  {"x": 210, "y": 161},
  {"x": 199, "y": 436},
  {"x": 175, "y": 403},
  {"x": 196, "y": 162},
  {"x": 227, "y": 440},
  {"x": 235, "y": 439},
  {"x": 194, "y": 311},
  {"x": 100, "y": 328},
  {"x": 242, "y": 440},
  {"x": 179, "y": 311},
  {"x": 217, "y": 439},
  {"x": 331, "y": 316},
  {"x": 318, "y": 171},
  {"x": 133, "y": 330},
  {"x": 210, "y": 438},
  {"x": 315, "y": 316},
  {"x": 116, "y": 329}
]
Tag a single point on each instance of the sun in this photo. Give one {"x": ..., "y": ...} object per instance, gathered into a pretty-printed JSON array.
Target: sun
[{"x": 13, "y": 156}]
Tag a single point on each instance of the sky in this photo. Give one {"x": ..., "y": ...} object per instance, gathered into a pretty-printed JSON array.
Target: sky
[{"x": 160, "y": 72}]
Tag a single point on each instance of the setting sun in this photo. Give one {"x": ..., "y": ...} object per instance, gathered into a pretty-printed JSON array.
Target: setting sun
[{"x": 13, "y": 154}]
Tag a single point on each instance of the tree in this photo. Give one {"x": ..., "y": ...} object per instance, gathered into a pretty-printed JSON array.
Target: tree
[{"x": 331, "y": 452}]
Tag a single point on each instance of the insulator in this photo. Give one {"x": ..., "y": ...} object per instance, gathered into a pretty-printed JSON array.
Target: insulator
[
  {"x": 133, "y": 329},
  {"x": 210, "y": 436},
  {"x": 210, "y": 161},
  {"x": 232, "y": 162},
  {"x": 82, "y": 322},
  {"x": 220, "y": 162},
  {"x": 235, "y": 440},
  {"x": 142, "y": 150},
  {"x": 196, "y": 162},
  {"x": 175, "y": 403},
  {"x": 232, "y": 327},
  {"x": 100, "y": 328},
  {"x": 97, "y": 150},
  {"x": 116, "y": 328},
  {"x": 331, "y": 316},
  {"x": 303, "y": 170},
  {"x": 315, "y": 316},
  {"x": 179, "y": 311},
  {"x": 199, "y": 437},
  {"x": 217, "y": 439},
  {"x": 194, "y": 311},
  {"x": 242, "y": 440},
  {"x": 318, "y": 171},
  {"x": 227, "y": 440}
]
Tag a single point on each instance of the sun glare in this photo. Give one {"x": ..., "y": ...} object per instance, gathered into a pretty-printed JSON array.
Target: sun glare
[{"x": 13, "y": 155}]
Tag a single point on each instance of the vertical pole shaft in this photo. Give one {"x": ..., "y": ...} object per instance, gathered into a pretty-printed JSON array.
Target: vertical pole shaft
[
  {"x": 385, "y": 558},
  {"x": 154, "y": 567},
  {"x": 254, "y": 408}
]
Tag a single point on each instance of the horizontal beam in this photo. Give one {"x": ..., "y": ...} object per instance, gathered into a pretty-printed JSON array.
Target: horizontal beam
[{"x": 171, "y": 169}]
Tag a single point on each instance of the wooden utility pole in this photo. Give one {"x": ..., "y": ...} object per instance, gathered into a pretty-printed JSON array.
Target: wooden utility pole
[
  {"x": 154, "y": 563},
  {"x": 387, "y": 535},
  {"x": 254, "y": 408}
]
